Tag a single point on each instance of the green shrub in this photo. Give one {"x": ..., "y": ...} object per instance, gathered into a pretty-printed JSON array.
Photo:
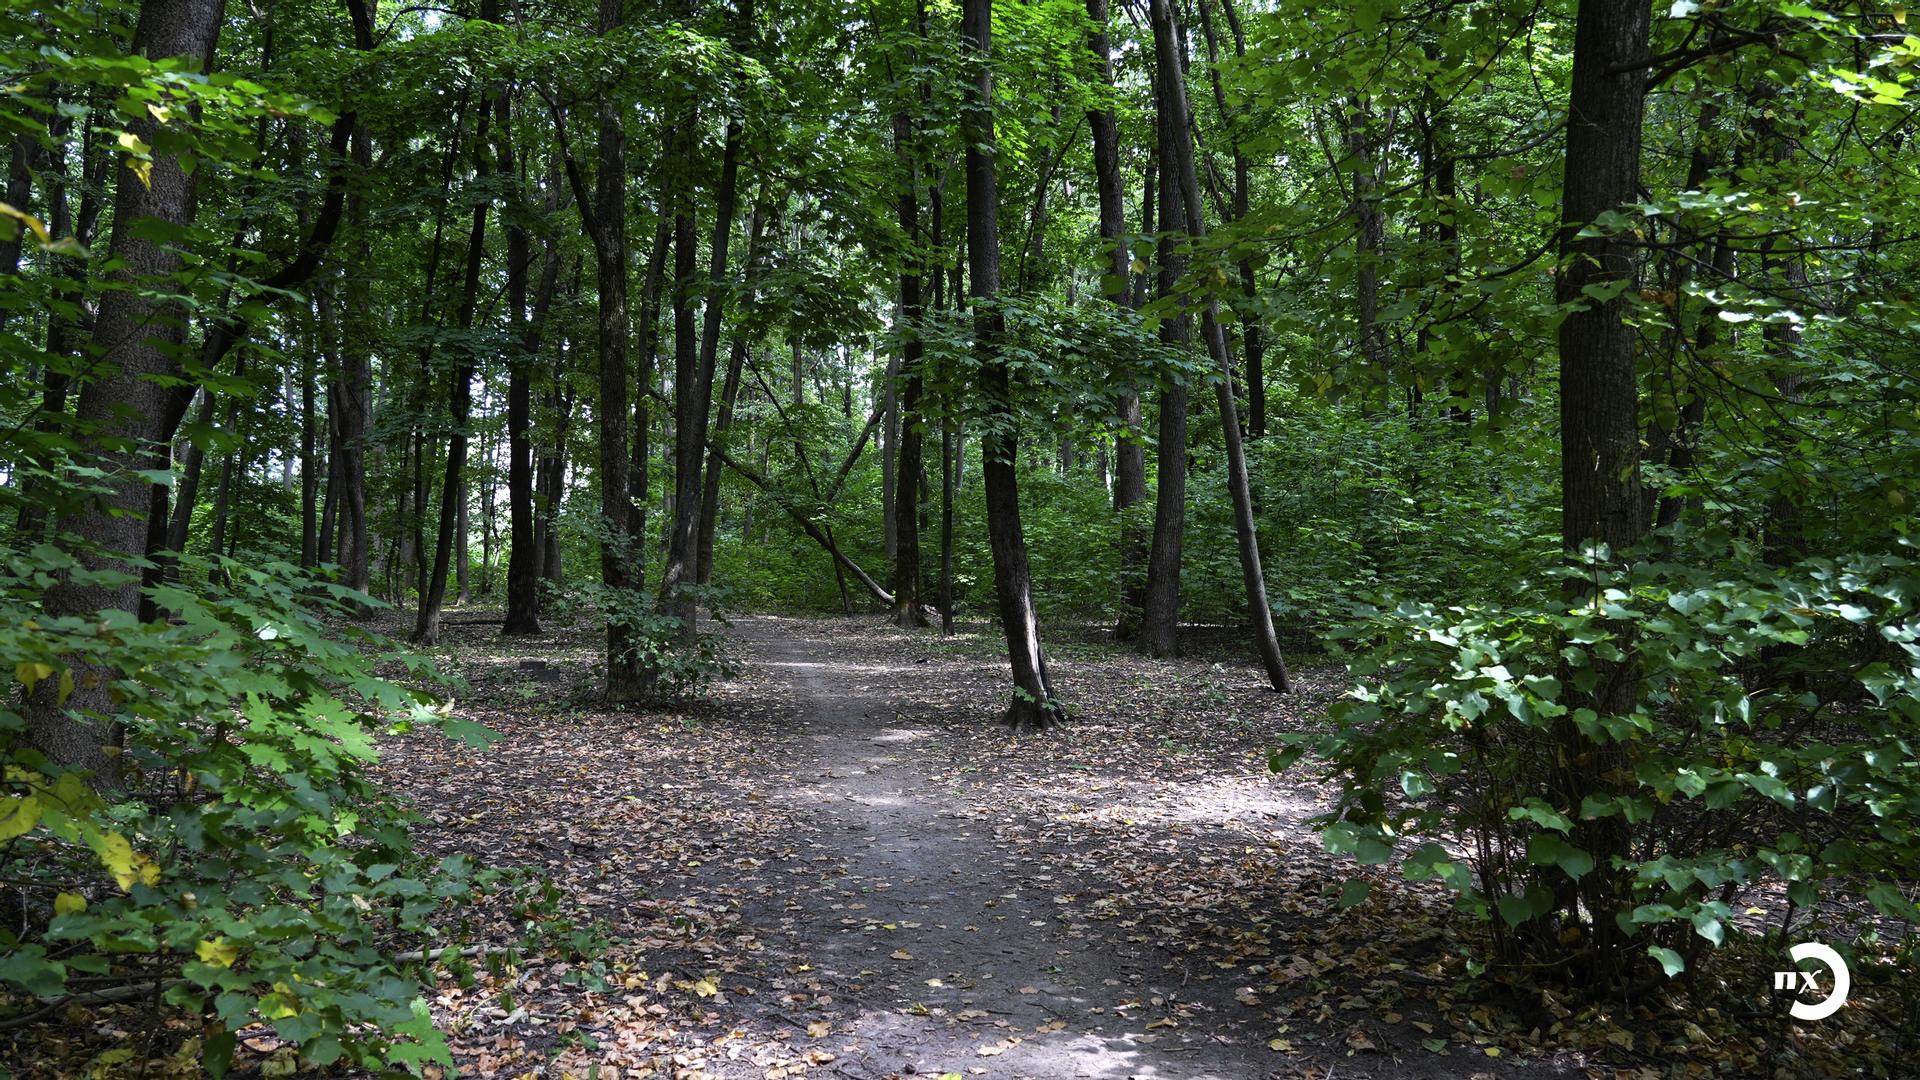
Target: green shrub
[
  {"x": 1773, "y": 741},
  {"x": 247, "y": 862}
]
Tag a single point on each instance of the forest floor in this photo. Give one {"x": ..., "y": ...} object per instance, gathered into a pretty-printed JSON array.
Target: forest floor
[{"x": 837, "y": 865}]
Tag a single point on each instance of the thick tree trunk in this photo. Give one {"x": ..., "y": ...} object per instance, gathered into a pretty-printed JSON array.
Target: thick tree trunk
[
  {"x": 1239, "y": 485},
  {"x": 640, "y": 471},
  {"x": 352, "y": 390},
  {"x": 1034, "y": 705},
  {"x": 126, "y": 409},
  {"x": 1599, "y": 422},
  {"x": 1369, "y": 238},
  {"x": 605, "y": 214}
]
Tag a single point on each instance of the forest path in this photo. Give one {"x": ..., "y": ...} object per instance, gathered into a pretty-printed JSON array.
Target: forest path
[
  {"x": 961, "y": 948},
  {"x": 836, "y": 864}
]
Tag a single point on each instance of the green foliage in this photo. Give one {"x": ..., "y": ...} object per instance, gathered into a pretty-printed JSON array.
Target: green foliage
[
  {"x": 1773, "y": 741},
  {"x": 658, "y": 641},
  {"x": 248, "y": 860}
]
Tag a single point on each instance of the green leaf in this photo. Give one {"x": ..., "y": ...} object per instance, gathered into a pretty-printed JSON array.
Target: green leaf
[
  {"x": 1670, "y": 962},
  {"x": 470, "y": 733},
  {"x": 1353, "y": 893}
]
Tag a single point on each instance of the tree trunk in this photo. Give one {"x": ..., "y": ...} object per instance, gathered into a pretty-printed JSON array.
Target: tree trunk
[
  {"x": 640, "y": 472},
  {"x": 729, "y": 392},
  {"x": 1158, "y": 632},
  {"x": 605, "y": 214},
  {"x": 693, "y": 382},
  {"x": 523, "y": 541},
  {"x": 1599, "y": 423},
  {"x": 1034, "y": 705},
  {"x": 1369, "y": 238},
  {"x": 309, "y": 477},
  {"x": 1238, "y": 483},
  {"x": 125, "y": 408},
  {"x": 1130, "y": 466},
  {"x": 453, "y": 486},
  {"x": 906, "y": 470},
  {"x": 947, "y": 439},
  {"x": 1252, "y": 339}
]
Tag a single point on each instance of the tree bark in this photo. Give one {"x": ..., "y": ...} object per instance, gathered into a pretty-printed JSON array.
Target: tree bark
[
  {"x": 1599, "y": 421},
  {"x": 125, "y": 408},
  {"x": 1130, "y": 465},
  {"x": 729, "y": 393},
  {"x": 1239, "y": 485},
  {"x": 693, "y": 382},
  {"x": 523, "y": 541},
  {"x": 907, "y": 610},
  {"x": 1158, "y": 630},
  {"x": 605, "y": 215},
  {"x": 453, "y": 486},
  {"x": 1252, "y": 338},
  {"x": 1034, "y": 705}
]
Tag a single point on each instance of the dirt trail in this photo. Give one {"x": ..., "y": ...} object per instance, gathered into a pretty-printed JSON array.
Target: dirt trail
[
  {"x": 949, "y": 962},
  {"x": 837, "y": 865}
]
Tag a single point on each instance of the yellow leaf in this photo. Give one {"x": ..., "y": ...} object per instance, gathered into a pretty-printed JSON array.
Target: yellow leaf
[
  {"x": 138, "y": 161},
  {"x": 900, "y": 954},
  {"x": 18, "y": 815},
  {"x": 30, "y": 673},
  {"x": 219, "y": 952},
  {"x": 32, "y": 223},
  {"x": 819, "y": 1029},
  {"x": 279, "y": 1006},
  {"x": 66, "y": 685},
  {"x": 120, "y": 860},
  {"x": 704, "y": 988},
  {"x": 69, "y": 903}
]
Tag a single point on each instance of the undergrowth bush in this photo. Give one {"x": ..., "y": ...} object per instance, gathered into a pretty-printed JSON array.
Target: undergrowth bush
[
  {"x": 1773, "y": 742},
  {"x": 682, "y": 667},
  {"x": 244, "y": 867}
]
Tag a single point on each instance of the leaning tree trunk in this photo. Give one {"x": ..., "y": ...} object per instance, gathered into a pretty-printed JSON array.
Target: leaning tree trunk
[
  {"x": 1238, "y": 483},
  {"x": 1599, "y": 426},
  {"x": 126, "y": 408},
  {"x": 1033, "y": 705}
]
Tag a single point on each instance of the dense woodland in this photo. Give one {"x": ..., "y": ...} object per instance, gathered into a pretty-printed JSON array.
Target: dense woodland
[{"x": 1550, "y": 365}]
